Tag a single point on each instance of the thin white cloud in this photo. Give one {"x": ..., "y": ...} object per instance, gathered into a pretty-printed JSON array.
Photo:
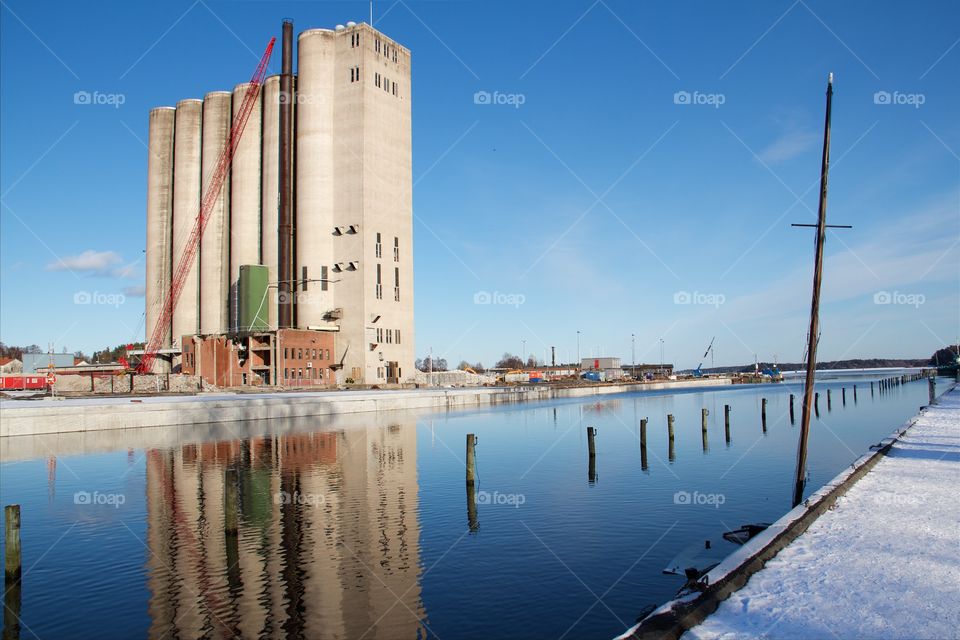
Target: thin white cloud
[
  {"x": 136, "y": 291},
  {"x": 788, "y": 145},
  {"x": 90, "y": 261}
]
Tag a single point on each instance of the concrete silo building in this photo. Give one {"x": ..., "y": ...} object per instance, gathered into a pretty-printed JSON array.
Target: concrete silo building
[{"x": 331, "y": 228}]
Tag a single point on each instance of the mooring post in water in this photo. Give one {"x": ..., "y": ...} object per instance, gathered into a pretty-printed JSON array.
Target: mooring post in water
[
  {"x": 471, "y": 459},
  {"x": 670, "y": 426},
  {"x": 726, "y": 416},
  {"x": 829, "y": 401},
  {"x": 703, "y": 437},
  {"x": 643, "y": 444},
  {"x": 932, "y": 386},
  {"x": 592, "y": 448},
  {"x": 763, "y": 409},
  {"x": 472, "y": 522},
  {"x": 791, "y": 409},
  {"x": 12, "y": 564},
  {"x": 12, "y": 557},
  {"x": 703, "y": 419},
  {"x": 854, "y": 394}
]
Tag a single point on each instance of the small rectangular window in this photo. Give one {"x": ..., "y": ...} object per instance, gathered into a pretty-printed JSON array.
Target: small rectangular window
[
  {"x": 299, "y": 354},
  {"x": 396, "y": 249},
  {"x": 323, "y": 278},
  {"x": 396, "y": 276},
  {"x": 379, "y": 284},
  {"x": 396, "y": 335},
  {"x": 389, "y": 336},
  {"x": 313, "y": 353},
  {"x": 377, "y": 248}
]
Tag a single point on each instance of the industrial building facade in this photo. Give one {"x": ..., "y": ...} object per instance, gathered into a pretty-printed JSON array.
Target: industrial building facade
[{"x": 348, "y": 234}]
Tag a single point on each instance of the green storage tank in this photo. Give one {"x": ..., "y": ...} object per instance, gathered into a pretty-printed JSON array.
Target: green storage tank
[{"x": 252, "y": 295}]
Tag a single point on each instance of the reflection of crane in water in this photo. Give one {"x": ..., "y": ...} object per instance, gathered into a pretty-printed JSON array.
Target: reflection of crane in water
[{"x": 697, "y": 373}]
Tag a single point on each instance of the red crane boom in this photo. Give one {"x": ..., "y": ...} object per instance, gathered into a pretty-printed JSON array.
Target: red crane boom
[{"x": 206, "y": 204}]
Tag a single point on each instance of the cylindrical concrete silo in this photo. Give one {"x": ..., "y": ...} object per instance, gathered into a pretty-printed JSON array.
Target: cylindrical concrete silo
[
  {"x": 159, "y": 221},
  {"x": 186, "y": 206},
  {"x": 270, "y": 192},
  {"x": 215, "y": 243},
  {"x": 244, "y": 196},
  {"x": 314, "y": 174}
]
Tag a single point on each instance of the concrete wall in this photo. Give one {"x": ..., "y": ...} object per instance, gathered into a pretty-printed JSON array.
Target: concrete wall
[
  {"x": 88, "y": 415},
  {"x": 270, "y": 190}
]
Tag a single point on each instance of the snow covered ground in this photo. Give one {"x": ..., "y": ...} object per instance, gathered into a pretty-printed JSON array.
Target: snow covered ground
[{"x": 885, "y": 563}]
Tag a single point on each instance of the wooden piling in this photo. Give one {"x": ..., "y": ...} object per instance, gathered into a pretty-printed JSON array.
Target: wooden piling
[
  {"x": 703, "y": 438},
  {"x": 854, "y": 394},
  {"x": 472, "y": 521},
  {"x": 471, "y": 459},
  {"x": 12, "y": 557},
  {"x": 791, "y": 409},
  {"x": 829, "y": 401},
  {"x": 932, "y": 387},
  {"x": 591, "y": 444},
  {"x": 763, "y": 412},
  {"x": 726, "y": 416},
  {"x": 703, "y": 419},
  {"x": 670, "y": 426},
  {"x": 643, "y": 444},
  {"x": 843, "y": 395}
]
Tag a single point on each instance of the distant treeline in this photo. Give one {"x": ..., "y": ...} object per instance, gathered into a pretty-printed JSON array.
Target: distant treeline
[
  {"x": 872, "y": 363},
  {"x": 941, "y": 357}
]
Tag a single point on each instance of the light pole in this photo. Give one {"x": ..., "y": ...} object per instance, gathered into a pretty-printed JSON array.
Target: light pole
[
  {"x": 523, "y": 351},
  {"x": 661, "y": 355},
  {"x": 633, "y": 354},
  {"x": 578, "y": 348}
]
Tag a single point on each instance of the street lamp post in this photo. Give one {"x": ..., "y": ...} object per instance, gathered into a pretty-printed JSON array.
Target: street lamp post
[
  {"x": 578, "y": 348},
  {"x": 661, "y": 355},
  {"x": 523, "y": 351},
  {"x": 633, "y": 354}
]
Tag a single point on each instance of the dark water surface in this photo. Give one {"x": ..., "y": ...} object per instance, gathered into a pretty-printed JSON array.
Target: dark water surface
[{"x": 361, "y": 527}]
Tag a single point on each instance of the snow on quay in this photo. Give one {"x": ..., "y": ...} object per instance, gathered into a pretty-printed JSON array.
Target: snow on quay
[{"x": 884, "y": 563}]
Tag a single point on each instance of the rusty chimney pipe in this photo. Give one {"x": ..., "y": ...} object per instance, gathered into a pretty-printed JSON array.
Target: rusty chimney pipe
[{"x": 285, "y": 298}]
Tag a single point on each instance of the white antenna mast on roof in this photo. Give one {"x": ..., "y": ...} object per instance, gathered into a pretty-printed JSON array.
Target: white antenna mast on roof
[{"x": 371, "y": 13}]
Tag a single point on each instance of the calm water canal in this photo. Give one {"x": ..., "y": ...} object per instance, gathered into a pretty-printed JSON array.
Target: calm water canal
[{"x": 360, "y": 527}]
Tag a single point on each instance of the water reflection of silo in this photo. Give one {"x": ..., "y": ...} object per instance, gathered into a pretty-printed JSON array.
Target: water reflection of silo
[{"x": 327, "y": 537}]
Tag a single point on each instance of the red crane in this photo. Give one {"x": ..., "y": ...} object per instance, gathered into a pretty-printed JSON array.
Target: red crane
[{"x": 206, "y": 204}]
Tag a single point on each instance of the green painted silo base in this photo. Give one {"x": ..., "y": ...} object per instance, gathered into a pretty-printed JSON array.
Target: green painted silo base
[{"x": 252, "y": 298}]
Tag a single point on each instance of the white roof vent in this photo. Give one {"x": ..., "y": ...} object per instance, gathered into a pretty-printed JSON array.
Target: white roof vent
[
  {"x": 351, "y": 24},
  {"x": 340, "y": 27}
]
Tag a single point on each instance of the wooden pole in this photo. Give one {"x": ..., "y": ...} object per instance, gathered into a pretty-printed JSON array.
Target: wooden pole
[
  {"x": 843, "y": 395},
  {"x": 472, "y": 521},
  {"x": 932, "y": 387},
  {"x": 791, "y": 409},
  {"x": 829, "y": 400},
  {"x": 670, "y": 426},
  {"x": 471, "y": 459},
  {"x": 592, "y": 462},
  {"x": 703, "y": 419},
  {"x": 12, "y": 556},
  {"x": 643, "y": 444},
  {"x": 814, "y": 333}
]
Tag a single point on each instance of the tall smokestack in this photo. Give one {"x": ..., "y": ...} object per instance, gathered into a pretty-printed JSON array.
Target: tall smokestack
[{"x": 285, "y": 300}]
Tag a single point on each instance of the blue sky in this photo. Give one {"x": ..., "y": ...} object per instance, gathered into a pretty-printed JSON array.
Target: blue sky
[{"x": 635, "y": 169}]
